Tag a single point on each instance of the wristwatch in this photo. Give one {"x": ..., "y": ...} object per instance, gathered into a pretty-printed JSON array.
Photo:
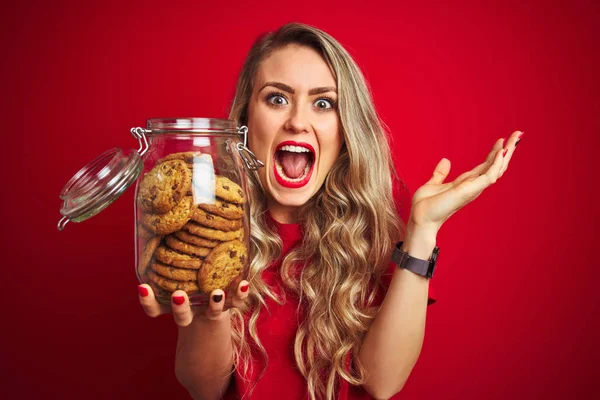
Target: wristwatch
[{"x": 421, "y": 267}]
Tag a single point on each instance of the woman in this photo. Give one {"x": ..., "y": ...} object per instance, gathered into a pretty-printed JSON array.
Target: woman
[{"x": 320, "y": 320}]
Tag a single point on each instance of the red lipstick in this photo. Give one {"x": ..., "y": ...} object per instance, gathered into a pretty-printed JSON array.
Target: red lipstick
[{"x": 284, "y": 181}]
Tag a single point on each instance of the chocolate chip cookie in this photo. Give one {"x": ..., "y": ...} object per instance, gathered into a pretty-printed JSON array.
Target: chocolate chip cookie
[
  {"x": 212, "y": 234},
  {"x": 171, "y": 221},
  {"x": 223, "y": 209},
  {"x": 186, "y": 248},
  {"x": 164, "y": 186},
  {"x": 171, "y": 257},
  {"x": 228, "y": 190},
  {"x": 146, "y": 255},
  {"x": 224, "y": 263},
  {"x": 214, "y": 221},
  {"x": 172, "y": 285},
  {"x": 195, "y": 240},
  {"x": 174, "y": 273}
]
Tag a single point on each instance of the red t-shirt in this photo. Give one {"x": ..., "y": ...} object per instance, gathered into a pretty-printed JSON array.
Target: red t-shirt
[{"x": 277, "y": 330}]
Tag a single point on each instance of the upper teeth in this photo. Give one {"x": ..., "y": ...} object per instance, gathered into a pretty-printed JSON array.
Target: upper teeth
[{"x": 295, "y": 149}]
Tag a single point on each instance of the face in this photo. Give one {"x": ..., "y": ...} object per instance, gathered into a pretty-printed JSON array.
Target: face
[{"x": 293, "y": 127}]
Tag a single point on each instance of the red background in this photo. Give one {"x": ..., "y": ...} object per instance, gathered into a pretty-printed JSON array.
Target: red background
[{"x": 517, "y": 312}]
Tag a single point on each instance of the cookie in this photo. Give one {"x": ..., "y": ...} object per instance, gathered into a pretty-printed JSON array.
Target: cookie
[
  {"x": 228, "y": 190},
  {"x": 186, "y": 248},
  {"x": 214, "y": 221},
  {"x": 164, "y": 186},
  {"x": 194, "y": 159},
  {"x": 143, "y": 232},
  {"x": 171, "y": 285},
  {"x": 224, "y": 263},
  {"x": 174, "y": 273},
  {"x": 171, "y": 257},
  {"x": 212, "y": 234},
  {"x": 174, "y": 220},
  {"x": 195, "y": 240},
  {"x": 146, "y": 255},
  {"x": 223, "y": 209}
]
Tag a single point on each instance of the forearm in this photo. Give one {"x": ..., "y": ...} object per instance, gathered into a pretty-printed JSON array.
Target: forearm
[
  {"x": 393, "y": 343},
  {"x": 204, "y": 357}
]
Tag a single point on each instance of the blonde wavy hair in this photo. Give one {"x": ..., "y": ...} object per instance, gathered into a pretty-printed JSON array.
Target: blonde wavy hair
[{"x": 349, "y": 229}]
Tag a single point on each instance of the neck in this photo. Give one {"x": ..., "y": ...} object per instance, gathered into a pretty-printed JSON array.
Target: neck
[{"x": 283, "y": 214}]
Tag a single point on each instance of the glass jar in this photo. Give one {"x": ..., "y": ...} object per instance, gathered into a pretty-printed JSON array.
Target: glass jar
[{"x": 192, "y": 217}]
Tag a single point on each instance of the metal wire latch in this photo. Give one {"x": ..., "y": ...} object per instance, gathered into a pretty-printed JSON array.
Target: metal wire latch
[{"x": 252, "y": 163}]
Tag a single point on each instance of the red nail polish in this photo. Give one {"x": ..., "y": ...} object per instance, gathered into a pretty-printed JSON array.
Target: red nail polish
[
  {"x": 179, "y": 300},
  {"x": 520, "y": 135},
  {"x": 244, "y": 288},
  {"x": 143, "y": 291},
  {"x": 504, "y": 153}
]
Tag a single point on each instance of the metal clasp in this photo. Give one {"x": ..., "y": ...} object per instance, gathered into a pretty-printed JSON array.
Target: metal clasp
[
  {"x": 62, "y": 223},
  {"x": 252, "y": 163},
  {"x": 140, "y": 135}
]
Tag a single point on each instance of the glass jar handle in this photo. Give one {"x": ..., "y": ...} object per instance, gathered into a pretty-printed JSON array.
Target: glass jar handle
[
  {"x": 252, "y": 163},
  {"x": 62, "y": 223},
  {"x": 140, "y": 135}
]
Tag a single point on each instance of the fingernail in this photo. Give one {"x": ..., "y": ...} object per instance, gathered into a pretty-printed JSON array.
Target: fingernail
[
  {"x": 504, "y": 153},
  {"x": 217, "y": 298},
  {"x": 143, "y": 291},
  {"x": 519, "y": 138},
  {"x": 179, "y": 300},
  {"x": 244, "y": 288}
]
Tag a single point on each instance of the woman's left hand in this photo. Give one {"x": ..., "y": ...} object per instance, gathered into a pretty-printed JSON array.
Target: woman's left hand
[{"x": 434, "y": 202}]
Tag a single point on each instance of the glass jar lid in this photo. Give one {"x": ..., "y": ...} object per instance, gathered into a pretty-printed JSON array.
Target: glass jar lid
[{"x": 98, "y": 184}]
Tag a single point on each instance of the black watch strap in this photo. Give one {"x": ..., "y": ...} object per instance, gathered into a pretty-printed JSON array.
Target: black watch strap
[{"x": 418, "y": 266}]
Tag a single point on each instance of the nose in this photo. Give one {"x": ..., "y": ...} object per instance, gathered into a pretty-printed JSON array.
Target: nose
[{"x": 298, "y": 120}]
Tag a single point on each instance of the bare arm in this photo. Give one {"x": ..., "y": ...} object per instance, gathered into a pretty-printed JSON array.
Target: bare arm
[
  {"x": 393, "y": 343},
  {"x": 204, "y": 359},
  {"x": 204, "y": 355}
]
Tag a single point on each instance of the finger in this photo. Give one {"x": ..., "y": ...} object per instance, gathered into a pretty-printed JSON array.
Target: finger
[
  {"x": 511, "y": 145},
  {"x": 441, "y": 171},
  {"x": 181, "y": 308},
  {"x": 241, "y": 295},
  {"x": 490, "y": 176},
  {"x": 151, "y": 307},
  {"x": 470, "y": 190},
  {"x": 215, "y": 304},
  {"x": 481, "y": 168}
]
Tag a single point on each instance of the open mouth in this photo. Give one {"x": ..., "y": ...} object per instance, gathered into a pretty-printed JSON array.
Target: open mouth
[{"x": 293, "y": 164}]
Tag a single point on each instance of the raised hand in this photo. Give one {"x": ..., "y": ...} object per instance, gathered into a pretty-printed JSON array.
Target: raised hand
[{"x": 435, "y": 201}]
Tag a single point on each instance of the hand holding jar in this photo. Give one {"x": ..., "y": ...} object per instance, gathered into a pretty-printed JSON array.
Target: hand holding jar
[{"x": 183, "y": 313}]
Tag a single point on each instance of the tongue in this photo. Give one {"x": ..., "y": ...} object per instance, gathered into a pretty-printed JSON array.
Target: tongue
[{"x": 293, "y": 163}]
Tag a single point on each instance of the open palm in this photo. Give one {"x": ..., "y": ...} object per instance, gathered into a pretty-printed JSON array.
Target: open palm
[{"x": 435, "y": 201}]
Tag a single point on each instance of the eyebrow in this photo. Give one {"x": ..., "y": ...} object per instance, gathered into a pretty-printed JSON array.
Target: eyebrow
[{"x": 311, "y": 92}]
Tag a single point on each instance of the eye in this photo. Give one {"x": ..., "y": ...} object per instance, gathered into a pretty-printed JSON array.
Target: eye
[
  {"x": 277, "y": 100},
  {"x": 324, "y": 104}
]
